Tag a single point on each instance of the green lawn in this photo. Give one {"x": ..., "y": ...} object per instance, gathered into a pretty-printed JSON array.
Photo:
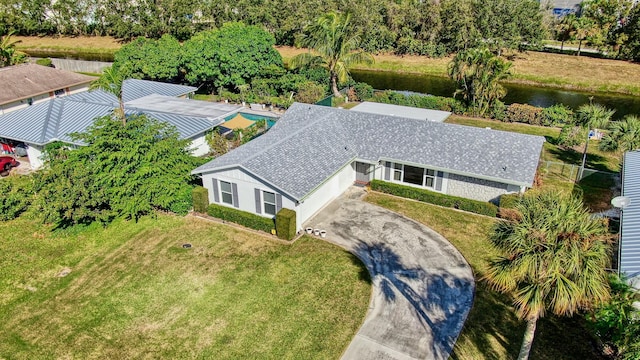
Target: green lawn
[
  {"x": 492, "y": 330},
  {"x": 134, "y": 292}
]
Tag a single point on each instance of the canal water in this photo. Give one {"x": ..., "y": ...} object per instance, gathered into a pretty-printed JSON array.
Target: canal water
[{"x": 522, "y": 94}]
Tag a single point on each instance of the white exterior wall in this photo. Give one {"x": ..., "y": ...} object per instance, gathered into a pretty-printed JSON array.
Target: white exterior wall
[
  {"x": 199, "y": 146},
  {"x": 324, "y": 194},
  {"x": 246, "y": 189},
  {"x": 21, "y": 104},
  {"x": 478, "y": 189},
  {"x": 34, "y": 152}
]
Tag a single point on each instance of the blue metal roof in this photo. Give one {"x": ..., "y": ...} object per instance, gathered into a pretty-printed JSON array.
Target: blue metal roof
[
  {"x": 57, "y": 118},
  {"x": 630, "y": 221}
]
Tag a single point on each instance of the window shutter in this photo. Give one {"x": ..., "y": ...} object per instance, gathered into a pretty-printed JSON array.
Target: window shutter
[
  {"x": 387, "y": 171},
  {"x": 234, "y": 190},
  {"x": 258, "y": 201},
  {"x": 278, "y": 202},
  {"x": 439, "y": 176},
  {"x": 216, "y": 195}
]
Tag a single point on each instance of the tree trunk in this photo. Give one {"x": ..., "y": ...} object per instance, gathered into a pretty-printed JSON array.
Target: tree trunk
[
  {"x": 124, "y": 118},
  {"x": 562, "y": 46},
  {"x": 579, "y": 47},
  {"x": 334, "y": 86},
  {"x": 527, "y": 341}
]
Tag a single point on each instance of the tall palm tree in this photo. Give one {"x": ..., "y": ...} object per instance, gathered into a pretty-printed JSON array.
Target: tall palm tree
[
  {"x": 336, "y": 48},
  {"x": 477, "y": 73},
  {"x": 623, "y": 135},
  {"x": 591, "y": 116},
  {"x": 111, "y": 81},
  {"x": 554, "y": 256},
  {"x": 8, "y": 53}
]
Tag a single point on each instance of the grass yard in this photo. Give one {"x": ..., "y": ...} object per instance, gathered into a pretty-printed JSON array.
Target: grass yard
[
  {"x": 492, "y": 330},
  {"x": 134, "y": 292}
]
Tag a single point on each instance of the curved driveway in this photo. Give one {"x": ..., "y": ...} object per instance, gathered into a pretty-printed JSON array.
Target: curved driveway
[{"x": 422, "y": 287}]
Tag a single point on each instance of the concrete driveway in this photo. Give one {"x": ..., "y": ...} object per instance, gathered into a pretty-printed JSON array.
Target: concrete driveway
[{"x": 422, "y": 286}]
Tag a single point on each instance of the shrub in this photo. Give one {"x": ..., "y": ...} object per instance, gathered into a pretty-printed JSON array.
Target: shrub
[
  {"x": 474, "y": 206},
  {"x": 16, "y": 196},
  {"x": 571, "y": 135},
  {"x": 499, "y": 111},
  {"x": 524, "y": 113},
  {"x": 45, "y": 62},
  {"x": 310, "y": 92},
  {"x": 556, "y": 115},
  {"x": 200, "y": 197},
  {"x": 286, "y": 224},
  {"x": 241, "y": 217},
  {"x": 509, "y": 201},
  {"x": 363, "y": 91}
]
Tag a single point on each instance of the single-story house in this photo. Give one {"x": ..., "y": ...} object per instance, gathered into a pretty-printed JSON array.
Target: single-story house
[
  {"x": 314, "y": 153},
  {"x": 630, "y": 219},
  {"x": 402, "y": 111},
  {"x": 28, "y": 84},
  {"x": 55, "y": 119}
]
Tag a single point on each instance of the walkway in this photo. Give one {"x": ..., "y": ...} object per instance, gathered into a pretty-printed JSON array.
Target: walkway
[{"x": 422, "y": 287}]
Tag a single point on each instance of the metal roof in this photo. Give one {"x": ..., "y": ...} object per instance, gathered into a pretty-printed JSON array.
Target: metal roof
[
  {"x": 57, "y": 118},
  {"x": 630, "y": 221},
  {"x": 402, "y": 111},
  {"x": 173, "y": 105},
  {"x": 310, "y": 143}
]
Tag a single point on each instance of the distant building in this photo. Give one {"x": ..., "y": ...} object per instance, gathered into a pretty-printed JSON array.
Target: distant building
[
  {"x": 562, "y": 7},
  {"x": 27, "y": 84}
]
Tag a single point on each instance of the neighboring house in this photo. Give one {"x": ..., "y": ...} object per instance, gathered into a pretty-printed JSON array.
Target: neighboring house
[
  {"x": 56, "y": 119},
  {"x": 28, "y": 84},
  {"x": 314, "y": 153},
  {"x": 401, "y": 111},
  {"x": 630, "y": 219}
]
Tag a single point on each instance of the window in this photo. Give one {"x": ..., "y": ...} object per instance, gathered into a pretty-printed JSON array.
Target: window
[
  {"x": 225, "y": 191},
  {"x": 59, "y": 92},
  {"x": 269, "y": 201},
  {"x": 429, "y": 178},
  {"x": 413, "y": 175},
  {"x": 397, "y": 172}
]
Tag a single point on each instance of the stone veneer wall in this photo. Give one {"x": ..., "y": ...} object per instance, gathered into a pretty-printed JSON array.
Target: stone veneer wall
[{"x": 477, "y": 189}]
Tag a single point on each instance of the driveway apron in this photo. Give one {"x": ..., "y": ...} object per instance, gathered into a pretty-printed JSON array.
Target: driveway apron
[{"x": 422, "y": 286}]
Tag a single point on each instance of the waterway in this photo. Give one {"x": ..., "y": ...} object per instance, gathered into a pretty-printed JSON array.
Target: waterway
[{"x": 522, "y": 94}]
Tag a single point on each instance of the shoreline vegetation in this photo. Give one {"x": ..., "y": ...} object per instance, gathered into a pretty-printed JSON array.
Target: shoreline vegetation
[{"x": 557, "y": 71}]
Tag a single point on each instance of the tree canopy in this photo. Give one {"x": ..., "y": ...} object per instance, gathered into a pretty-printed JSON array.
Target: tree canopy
[{"x": 123, "y": 171}]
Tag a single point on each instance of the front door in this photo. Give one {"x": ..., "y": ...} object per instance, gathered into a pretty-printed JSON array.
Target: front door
[{"x": 363, "y": 173}]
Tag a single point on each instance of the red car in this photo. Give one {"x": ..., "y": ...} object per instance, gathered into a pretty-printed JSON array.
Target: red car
[{"x": 7, "y": 162}]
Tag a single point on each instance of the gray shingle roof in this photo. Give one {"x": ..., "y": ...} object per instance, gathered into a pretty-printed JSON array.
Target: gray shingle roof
[
  {"x": 57, "y": 118},
  {"x": 310, "y": 143},
  {"x": 630, "y": 226}
]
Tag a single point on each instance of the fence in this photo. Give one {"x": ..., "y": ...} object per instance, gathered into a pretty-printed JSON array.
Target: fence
[{"x": 572, "y": 171}]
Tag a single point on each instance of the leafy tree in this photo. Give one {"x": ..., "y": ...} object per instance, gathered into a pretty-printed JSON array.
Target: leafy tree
[
  {"x": 230, "y": 56},
  {"x": 123, "y": 171},
  {"x": 477, "y": 73},
  {"x": 459, "y": 30},
  {"x": 566, "y": 29},
  {"x": 112, "y": 82},
  {"x": 336, "y": 45},
  {"x": 158, "y": 60},
  {"x": 623, "y": 135},
  {"x": 310, "y": 93},
  {"x": 631, "y": 30},
  {"x": 217, "y": 143},
  {"x": 9, "y": 55},
  {"x": 553, "y": 258},
  {"x": 617, "y": 322}
]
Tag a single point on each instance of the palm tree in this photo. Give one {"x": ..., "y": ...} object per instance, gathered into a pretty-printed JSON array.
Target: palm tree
[
  {"x": 566, "y": 29},
  {"x": 8, "y": 53},
  {"x": 591, "y": 116},
  {"x": 111, "y": 81},
  {"x": 477, "y": 73},
  {"x": 332, "y": 38},
  {"x": 623, "y": 135},
  {"x": 554, "y": 256}
]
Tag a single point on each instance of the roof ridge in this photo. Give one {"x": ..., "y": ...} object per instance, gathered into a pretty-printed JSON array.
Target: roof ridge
[
  {"x": 290, "y": 135},
  {"x": 47, "y": 119}
]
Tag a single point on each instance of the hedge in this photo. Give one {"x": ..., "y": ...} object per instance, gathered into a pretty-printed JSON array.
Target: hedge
[
  {"x": 524, "y": 113},
  {"x": 241, "y": 217},
  {"x": 286, "y": 224},
  {"x": 200, "y": 196},
  {"x": 474, "y": 206}
]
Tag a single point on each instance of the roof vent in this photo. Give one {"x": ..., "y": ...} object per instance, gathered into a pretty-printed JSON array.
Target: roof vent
[{"x": 504, "y": 168}]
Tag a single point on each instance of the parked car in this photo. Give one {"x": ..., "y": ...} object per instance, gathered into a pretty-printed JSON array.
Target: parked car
[{"x": 7, "y": 162}]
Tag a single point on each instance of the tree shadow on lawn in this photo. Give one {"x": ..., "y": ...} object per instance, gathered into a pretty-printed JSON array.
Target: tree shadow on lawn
[{"x": 571, "y": 156}]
